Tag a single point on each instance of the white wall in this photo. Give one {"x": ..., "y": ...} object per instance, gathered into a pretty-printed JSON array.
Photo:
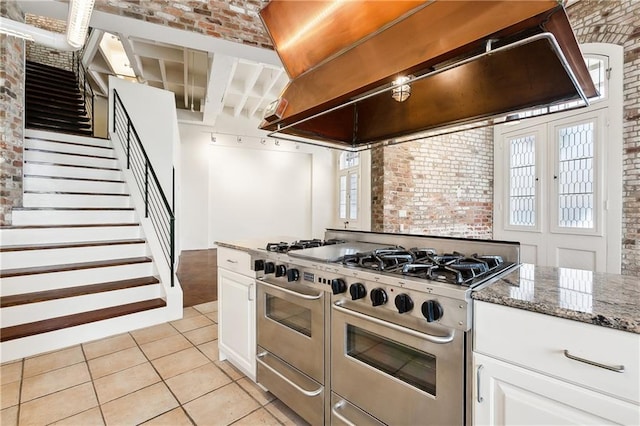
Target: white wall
[
  {"x": 234, "y": 190},
  {"x": 153, "y": 112}
]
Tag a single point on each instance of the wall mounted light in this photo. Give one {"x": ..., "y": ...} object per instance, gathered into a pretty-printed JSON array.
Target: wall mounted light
[
  {"x": 402, "y": 91},
  {"x": 78, "y": 21}
]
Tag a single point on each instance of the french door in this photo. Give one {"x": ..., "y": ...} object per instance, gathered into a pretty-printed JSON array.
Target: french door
[{"x": 558, "y": 182}]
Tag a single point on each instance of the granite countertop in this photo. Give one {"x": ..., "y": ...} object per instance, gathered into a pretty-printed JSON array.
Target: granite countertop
[{"x": 608, "y": 300}]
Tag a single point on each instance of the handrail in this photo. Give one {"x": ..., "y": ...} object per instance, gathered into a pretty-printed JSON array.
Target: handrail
[
  {"x": 156, "y": 206},
  {"x": 85, "y": 87}
]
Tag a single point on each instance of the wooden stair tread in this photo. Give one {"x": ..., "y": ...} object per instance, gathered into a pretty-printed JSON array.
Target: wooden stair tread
[
  {"x": 74, "y": 208},
  {"x": 84, "y": 166},
  {"x": 58, "y": 323},
  {"x": 77, "y": 225},
  {"x": 77, "y": 193},
  {"x": 25, "y": 247},
  {"x": 33, "y": 138},
  {"x": 73, "y": 178},
  {"x": 33, "y": 270},
  {"x": 62, "y": 293},
  {"x": 77, "y": 154}
]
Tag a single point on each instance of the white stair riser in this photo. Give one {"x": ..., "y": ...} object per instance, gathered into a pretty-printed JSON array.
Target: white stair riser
[
  {"x": 67, "y": 171},
  {"x": 32, "y": 312},
  {"x": 65, "y": 217},
  {"x": 69, "y": 159},
  {"x": 11, "y": 237},
  {"x": 45, "y": 342},
  {"x": 75, "y": 200},
  {"x": 65, "y": 147},
  {"x": 71, "y": 185},
  {"x": 65, "y": 137},
  {"x": 29, "y": 258},
  {"x": 54, "y": 280}
]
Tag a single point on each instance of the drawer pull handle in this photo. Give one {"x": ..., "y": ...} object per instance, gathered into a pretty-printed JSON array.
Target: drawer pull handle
[
  {"x": 616, "y": 368},
  {"x": 232, "y": 261},
  {"x": 305, "y": 392},
  {"x": 334, "y": 411}
]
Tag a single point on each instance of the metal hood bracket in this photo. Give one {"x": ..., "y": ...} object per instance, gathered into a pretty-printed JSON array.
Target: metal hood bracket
[{"x": 470, "y": 62}]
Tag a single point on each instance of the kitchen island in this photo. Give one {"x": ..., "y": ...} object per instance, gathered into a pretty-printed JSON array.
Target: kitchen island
[
  {"x": 607, "y": 300},
  {"x": 557, "y": 346}
]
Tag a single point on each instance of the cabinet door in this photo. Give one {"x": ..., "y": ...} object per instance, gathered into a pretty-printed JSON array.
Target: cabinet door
[
  {"x": 505, "y": 394},
  {"x": 237, "y": 320}
]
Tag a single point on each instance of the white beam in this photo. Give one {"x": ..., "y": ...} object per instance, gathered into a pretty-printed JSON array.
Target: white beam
[
  {"x": 267, "y": 89},
  {"x": 134, "y": 60},
  {"x": 163, "y": 72},
  {"x": 185, "y": 60},
  {"x": 249, "y": 83},
  {"x": 220, "y": 74}
]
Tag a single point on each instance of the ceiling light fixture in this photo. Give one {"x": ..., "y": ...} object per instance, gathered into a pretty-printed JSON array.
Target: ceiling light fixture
[
  {"x": 401, "y": 91},
  {"x": 78, "y": 21}
]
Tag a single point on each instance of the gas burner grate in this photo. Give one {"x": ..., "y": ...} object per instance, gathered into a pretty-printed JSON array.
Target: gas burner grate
[{"x": 284, "y": 247}]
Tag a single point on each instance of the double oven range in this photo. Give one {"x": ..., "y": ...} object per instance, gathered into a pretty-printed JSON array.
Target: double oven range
[{"x": 372, "y": 328}]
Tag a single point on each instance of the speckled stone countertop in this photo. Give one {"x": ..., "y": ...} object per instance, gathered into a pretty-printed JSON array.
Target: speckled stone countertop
[{"x": 608, "y": 300}]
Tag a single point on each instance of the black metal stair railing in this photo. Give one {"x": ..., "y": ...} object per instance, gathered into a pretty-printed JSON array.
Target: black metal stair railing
[
  {"x": 156, "y": 206},
  {"x": 84, "y": 86}
]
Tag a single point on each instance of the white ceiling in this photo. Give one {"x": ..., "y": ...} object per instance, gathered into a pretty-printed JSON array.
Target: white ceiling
[
  {"x": 209, "y": 76},
  {"x": 203, "y": 82}
]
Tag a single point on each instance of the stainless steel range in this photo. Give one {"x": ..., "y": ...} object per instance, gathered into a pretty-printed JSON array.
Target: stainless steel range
[{"x": 373, "y": 328}]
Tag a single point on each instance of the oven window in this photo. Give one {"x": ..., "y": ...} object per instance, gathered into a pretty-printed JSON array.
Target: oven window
[
  {"x": 403, "y": 362},
  {"x": 289, "y": 314}
]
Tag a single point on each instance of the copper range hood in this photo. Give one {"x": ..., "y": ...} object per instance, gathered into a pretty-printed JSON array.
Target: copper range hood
[{"x": 467, "y": 62}]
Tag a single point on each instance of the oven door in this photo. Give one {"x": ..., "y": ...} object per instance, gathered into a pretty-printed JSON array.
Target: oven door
[
  {"x": 398, "y": 375},
  {"x": 290, "y": 325}
]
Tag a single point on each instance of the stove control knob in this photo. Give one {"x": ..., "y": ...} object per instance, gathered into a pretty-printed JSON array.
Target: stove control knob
[
  {"x": 281, "y": 270},
  {"x": 378, "y": 297},
  {"x": 404, "y": 303},
  {"x": 293, "y": 274},
  {"x": 269, "y": 268},
  {"x": 338, "y": 286},
  {"x": 357, "y": 291},
  {"x": 432, "y": 310},
  {"x": 258, "y": 265}
]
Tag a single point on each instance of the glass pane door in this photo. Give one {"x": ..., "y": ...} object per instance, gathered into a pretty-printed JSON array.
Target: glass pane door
[
  {"x": 403, "y": 362},
  {"x": 295, "y": 317}
]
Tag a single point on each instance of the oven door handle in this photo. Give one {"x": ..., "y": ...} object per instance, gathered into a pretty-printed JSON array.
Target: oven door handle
[
  {"x": 334, "y": 411},
  {"x": 292, "y": 293},
  {"x": 277, "y": 373},
  {"x": 429, "y": 337}
]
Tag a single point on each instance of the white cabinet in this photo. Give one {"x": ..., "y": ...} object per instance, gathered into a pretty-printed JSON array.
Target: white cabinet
[
  {"x": 509, "y": 395},
  {"x": 237, "y": 310},
  {"x": 531, "y": 368}
]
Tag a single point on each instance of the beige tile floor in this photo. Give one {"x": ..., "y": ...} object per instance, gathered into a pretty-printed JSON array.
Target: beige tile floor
[{"x": 167, "y": 374}]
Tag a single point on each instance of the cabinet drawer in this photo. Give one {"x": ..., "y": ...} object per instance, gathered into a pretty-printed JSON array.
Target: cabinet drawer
[
  {"x": 235, "y": 260},
  {"x": 538, "y": 342}
]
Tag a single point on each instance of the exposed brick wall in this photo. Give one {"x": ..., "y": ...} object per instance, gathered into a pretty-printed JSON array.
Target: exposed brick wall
[
  {"x": 618, "y": 22},
  {"x": 444, "y": 184},
  {"x": 233, "y": 20},
  {"x": 46, "y": 55},
  {"x": 11, "y": 115}
]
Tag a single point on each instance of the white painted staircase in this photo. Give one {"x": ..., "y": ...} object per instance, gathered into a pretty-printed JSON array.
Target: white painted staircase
[{"x": 74, "y": 265}]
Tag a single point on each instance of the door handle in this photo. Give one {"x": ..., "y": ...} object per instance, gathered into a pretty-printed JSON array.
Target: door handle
[
  {"x": 292, "y": 293},
  {"x": 478, "y": 396},
  {"x": 289, "y": 382},
  {"x": 433, "y": 339},
  {"x": 334, "y": 411}
]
